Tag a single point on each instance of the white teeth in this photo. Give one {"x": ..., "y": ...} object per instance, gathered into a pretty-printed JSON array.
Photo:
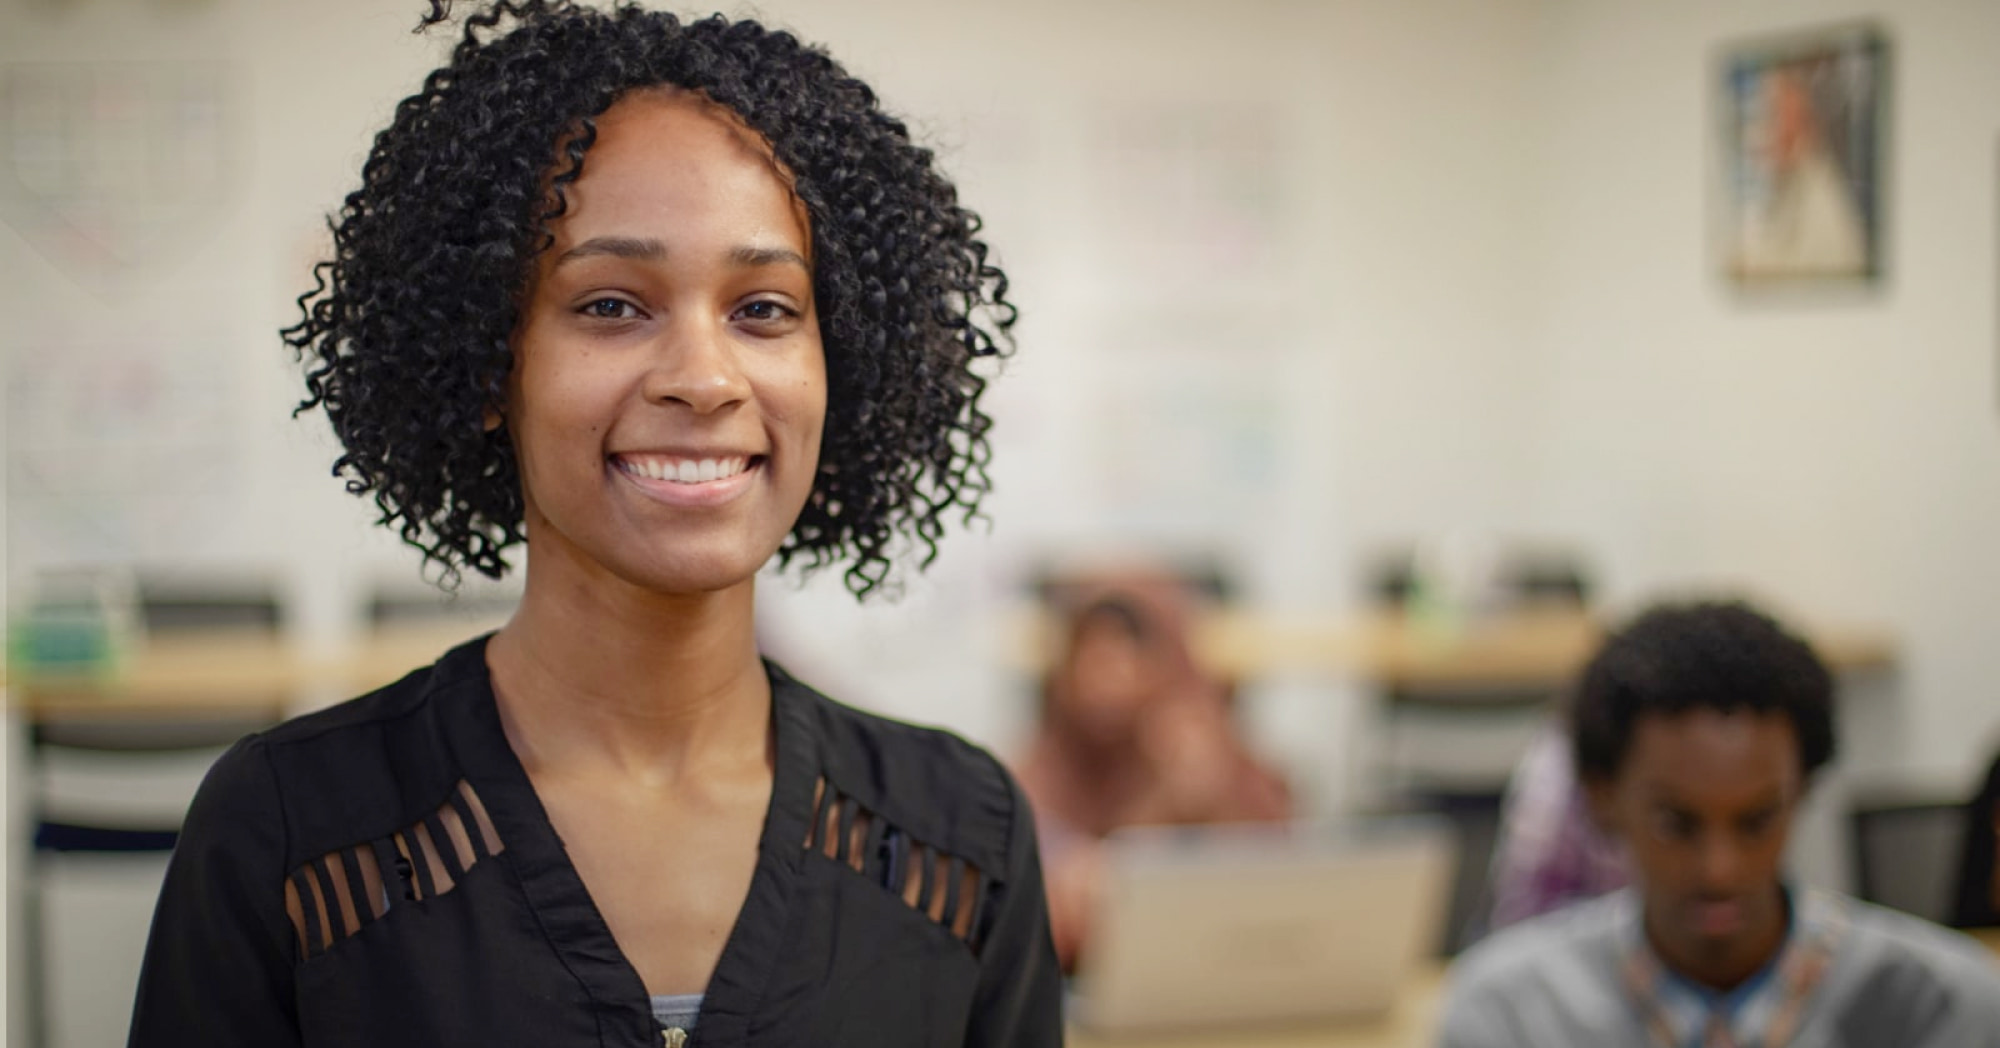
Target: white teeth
[{"x": 685, "y": 471}]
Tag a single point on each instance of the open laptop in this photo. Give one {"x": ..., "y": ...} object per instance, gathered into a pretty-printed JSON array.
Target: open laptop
[{"x": 1237, "y": 925}]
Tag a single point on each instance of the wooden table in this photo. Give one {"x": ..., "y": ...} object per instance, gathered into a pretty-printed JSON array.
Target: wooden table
[
  {"x": 1412, "y": 1023},
  {"x": 1528, "y": 647},
  {"x": 235, "y": 671},
  {"x": 229, "y": 672}
]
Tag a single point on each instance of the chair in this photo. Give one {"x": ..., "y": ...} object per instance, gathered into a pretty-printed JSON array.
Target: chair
[
  {"x": 392, "y": 607},
  {"x": 1905, "y": 850},
  {"x": 1450, "y": 750},
  {"x": 1475, "y": 820},
  {"x": 1976, "y": 897},
  {"x": 1481, "y": 729},
  {"x": 164, "y": 609},
  {"x": 105, "y": 791}
]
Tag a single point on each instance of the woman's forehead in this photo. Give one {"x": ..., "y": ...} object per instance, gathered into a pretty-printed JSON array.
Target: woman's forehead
[{"x": 672, "y": 154}]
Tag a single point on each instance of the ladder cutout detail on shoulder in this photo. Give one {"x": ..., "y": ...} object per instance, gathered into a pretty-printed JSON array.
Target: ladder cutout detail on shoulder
[
  {"x": 333, "y": 897},
  {"x": 945, "y": 888}
]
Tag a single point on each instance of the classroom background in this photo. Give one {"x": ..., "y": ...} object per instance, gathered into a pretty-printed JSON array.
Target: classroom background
[{"x": 1308, "y": 288}]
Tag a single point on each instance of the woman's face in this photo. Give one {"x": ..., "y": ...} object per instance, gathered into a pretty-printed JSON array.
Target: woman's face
[
  {"x": 669, "y": 387},
  {"x": 1111, "y": 681}
]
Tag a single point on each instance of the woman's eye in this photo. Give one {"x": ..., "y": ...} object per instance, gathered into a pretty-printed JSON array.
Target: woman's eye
[
  {"x": 764, "y": 310},
  {"x": 609, "y": 309}
]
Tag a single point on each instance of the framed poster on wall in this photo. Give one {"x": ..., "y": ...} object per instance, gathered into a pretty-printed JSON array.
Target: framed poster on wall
[{"x": 1803, "y": 128}]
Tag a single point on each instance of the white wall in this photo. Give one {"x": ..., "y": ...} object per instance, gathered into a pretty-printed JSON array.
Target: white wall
[
  {"x": 1364, "y": 360},
  {"x": 219, "y": 476},
  {"x": 1377, "y": 349},
  {"x": 1838, "y": 454}
]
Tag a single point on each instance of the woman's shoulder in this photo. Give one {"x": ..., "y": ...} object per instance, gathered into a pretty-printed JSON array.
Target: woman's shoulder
[
  {"x": 927, "y": 780},
  {"x": 409, "y": 696},
  {"x": 329, "y": 776}
]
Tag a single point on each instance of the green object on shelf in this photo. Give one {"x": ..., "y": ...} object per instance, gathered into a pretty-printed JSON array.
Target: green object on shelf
[{"x": 62, "y": 639}]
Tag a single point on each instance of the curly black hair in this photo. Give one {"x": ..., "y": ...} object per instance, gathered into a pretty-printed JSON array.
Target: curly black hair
[
  {"x": 407, "y": 330},
  {"x": 1723, "y": 656}
]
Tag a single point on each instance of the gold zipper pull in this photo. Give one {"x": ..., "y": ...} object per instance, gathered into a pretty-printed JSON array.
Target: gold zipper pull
[{"x": 674, "y": 1036}]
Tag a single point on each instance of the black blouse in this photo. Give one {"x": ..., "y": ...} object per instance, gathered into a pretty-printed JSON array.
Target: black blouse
[{"x": 897, "y": 898}]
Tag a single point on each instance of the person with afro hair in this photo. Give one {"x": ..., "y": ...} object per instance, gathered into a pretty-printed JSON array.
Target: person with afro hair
[
  {"x": 641, "y": 303},
  {"x": 1697, "y": 729}
]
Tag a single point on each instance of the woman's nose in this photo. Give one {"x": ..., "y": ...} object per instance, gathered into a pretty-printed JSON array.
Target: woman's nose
[{"x": 694, "y": 363}]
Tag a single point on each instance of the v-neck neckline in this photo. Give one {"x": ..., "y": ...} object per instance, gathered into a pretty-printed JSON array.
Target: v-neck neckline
[{"x": 569, "y": 917}]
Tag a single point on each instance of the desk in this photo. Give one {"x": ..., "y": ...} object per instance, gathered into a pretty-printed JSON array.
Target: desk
[
  {"x": 1411, "y": 1024},
  {"x": 229, "y": 673},
  {"x": 235, "y": 672},
  {"x": 1528, "y": 648}
]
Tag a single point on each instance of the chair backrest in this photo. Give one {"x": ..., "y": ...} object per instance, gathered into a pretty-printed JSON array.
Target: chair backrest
[
  {"x": 176, "y": 601},
  {"x": 1541, "y": 576},
  {"x": 1906, "y": 852},
  {"x": 391, "y": 608},
  {"x": 1976, "y": 895},
  {"x": 74, "y": 755},
  {"x": 1466, "y": 737},
  {"x": 170, "y": 612},
  {"x": 1206, "y": 579}
]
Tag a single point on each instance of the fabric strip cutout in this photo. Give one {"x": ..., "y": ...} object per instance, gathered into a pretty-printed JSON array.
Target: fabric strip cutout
[
  {"x": 944, "y": 888},
  {"x": 331, "y": 898}
]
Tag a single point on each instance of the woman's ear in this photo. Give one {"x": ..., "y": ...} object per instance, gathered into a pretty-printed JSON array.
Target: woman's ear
[{"x": 493, "y": 419}]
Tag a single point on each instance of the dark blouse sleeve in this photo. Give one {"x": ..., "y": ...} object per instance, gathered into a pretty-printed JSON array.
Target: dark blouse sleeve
[
  {"x": 218, "y": 964},
  {"x": 1018, "y": 1003}
]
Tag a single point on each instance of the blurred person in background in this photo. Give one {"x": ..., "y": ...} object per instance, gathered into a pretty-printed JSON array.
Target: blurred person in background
[
  {"x": 660, "y": 300},
  {"x": 1550, "y": 851},
  {"x": 1133, "y": 732},
  {"x": 1697, "y": 731}
]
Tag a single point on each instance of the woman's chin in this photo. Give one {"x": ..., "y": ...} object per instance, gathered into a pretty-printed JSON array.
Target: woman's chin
[{"x": 688, "y": 574}]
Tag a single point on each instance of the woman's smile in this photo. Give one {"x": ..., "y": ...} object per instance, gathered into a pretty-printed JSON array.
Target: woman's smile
[{"x": 686, "y": 480}]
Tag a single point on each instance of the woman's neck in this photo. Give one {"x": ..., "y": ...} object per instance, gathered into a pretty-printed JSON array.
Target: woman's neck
[{"x": 599, "y": 676}]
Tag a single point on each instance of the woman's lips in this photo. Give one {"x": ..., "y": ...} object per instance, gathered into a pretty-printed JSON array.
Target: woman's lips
[{"x": 695, "y": 481}]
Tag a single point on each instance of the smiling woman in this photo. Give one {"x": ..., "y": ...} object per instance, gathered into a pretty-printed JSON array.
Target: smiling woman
[
  {"x": 669, "y": 330},
  {"x": 658, "y": 300}
]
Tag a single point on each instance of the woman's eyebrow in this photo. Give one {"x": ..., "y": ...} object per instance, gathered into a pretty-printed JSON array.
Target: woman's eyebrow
[
  {"x": 647, "y": 249},
  {"x": 638, "y": 249},
  {"x": 751, "y": 257}
]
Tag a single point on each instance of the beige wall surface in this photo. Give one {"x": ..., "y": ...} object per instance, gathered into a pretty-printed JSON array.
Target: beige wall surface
[{"x": 1837, "y": 452}]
